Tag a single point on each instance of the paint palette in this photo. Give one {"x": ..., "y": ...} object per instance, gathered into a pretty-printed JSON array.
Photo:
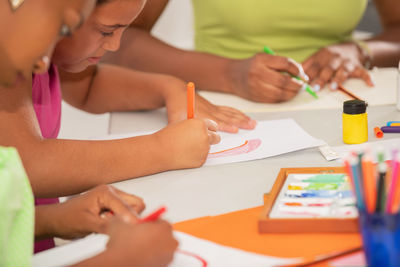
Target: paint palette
[
  {"x": 313, "y": 195},
  {"x": 305, "y": 200}
]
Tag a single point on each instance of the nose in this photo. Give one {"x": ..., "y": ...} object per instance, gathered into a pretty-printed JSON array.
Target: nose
[{"x": 112, "y": 44}]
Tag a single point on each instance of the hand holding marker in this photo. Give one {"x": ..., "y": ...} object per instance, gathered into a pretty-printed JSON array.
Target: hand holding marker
[{"x": 306, "y": 86}]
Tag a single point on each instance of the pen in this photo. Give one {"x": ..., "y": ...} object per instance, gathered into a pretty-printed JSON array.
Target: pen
[
  {"x": 307, "y": 87},
  {"x": 190, "y": 100},
  {"x": 154, "y": 215},
  {"x": 390, "y": 129}
]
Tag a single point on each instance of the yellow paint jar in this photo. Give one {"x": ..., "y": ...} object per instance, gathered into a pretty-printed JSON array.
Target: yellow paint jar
[{"x": 355, "y": 122}]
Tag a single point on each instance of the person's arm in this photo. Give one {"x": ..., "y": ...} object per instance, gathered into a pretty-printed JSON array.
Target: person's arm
[
  {"x": 86, "y": 213},
  {"x": 334, "y": 64},
  {"x": 257, "y": 78},
  {"x": 106, "y": 88},
  {"x": 385, "y": 47},
  {"x": 59, "y": 167}
]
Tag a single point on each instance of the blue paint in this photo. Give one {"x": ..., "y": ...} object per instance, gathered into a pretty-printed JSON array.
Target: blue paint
[{"x": 320, "y": 194}]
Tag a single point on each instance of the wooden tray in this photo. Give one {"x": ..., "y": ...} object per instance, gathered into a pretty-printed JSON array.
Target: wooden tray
[{"x": 306, "y": 225}]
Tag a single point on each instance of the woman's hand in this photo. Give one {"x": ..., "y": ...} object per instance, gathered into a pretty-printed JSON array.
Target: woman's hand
[
  {"x": 264, "y": 78},
  {"x": 86, "y": 213},
  {"x": 334, "y": 64}
]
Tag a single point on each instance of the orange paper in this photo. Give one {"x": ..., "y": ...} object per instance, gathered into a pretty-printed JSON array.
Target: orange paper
[{"x": 239, "y": 230}]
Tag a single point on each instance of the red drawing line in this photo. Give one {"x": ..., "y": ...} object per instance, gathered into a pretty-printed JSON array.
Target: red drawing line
[
  {"x": 247, "y": 147},
  {"x": 190, "y": 254},
  {"x": 230, "y": 149}
]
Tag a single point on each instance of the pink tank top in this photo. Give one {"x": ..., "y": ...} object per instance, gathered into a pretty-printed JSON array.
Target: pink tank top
[{"x": 46, "y": 97}]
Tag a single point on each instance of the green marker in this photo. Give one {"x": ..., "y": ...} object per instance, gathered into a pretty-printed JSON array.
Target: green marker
[{"x": 269, "y": 51}]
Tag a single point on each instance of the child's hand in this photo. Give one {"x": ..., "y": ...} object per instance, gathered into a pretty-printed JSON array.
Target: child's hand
[
  {"x": 228, "y": 119},
  {"x": 144, "y": 244},
  {"x": 91, "y": 212},
  {"x": 186, "y": 144}
]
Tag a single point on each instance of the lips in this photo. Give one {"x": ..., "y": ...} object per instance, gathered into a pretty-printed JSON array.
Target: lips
[{"x": 94, "y": 60}]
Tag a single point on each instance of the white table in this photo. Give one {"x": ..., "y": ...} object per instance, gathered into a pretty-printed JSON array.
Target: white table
[{"x": 219, "y": 189}]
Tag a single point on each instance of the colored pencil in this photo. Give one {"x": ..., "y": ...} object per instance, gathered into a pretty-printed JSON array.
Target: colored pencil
[
  {"x": 381, "y": 187},
  {"x": 154, "y": 215},
  {"x": 393, "y": 185},
  {"x": 354, "y": 163},
  {"x": 369, "y": 183},
  {"x": 347, "y": 92}
]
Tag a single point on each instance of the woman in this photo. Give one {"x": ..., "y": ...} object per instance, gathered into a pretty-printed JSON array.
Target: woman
[{"x": 230, "y": 36}]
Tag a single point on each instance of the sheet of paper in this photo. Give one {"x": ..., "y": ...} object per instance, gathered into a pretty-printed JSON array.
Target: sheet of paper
[
  {"x": 192, "y": 252},
  {"x": 384, "y": 93},
  {"x": 386, "y": 146},
  {"x": 269, "y": 138}
]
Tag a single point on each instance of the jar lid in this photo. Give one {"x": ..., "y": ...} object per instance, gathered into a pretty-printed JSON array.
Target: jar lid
[{"x": 354, "y": 106}]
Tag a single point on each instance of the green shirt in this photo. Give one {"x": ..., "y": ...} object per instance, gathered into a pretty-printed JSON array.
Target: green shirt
[
  {"x": 292, "y": 28},
  {"x": 16, "y": 211}
]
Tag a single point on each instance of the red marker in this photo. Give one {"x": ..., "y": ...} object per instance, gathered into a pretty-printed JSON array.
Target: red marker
[{"x": 153, "y": 216}]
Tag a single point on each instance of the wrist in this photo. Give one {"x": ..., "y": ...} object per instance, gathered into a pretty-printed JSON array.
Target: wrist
[
  {"x": 46, "y": 221},
  {"x": 365, "y": 54},
  {"x": 233, "y": 77}
]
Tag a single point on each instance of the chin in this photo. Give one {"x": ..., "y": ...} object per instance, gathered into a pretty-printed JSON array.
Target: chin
[{"x": 76, "y": 68}]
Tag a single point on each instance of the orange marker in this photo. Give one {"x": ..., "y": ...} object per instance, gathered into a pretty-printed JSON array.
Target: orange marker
[
  {"x": 190, "y": 100},
  {"x": 378, "y": 132}
]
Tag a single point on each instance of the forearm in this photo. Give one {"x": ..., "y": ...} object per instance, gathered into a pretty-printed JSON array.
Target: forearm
[
  {"x": 139, "y": 50},
  {"x": 114, "y": 88},
  {"x": 64, "y": 167},
  {"x": 385, "y": 48}
]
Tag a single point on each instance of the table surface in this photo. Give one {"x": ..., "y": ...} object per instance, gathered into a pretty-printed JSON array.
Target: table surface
[{"x": 214, "y": 190}]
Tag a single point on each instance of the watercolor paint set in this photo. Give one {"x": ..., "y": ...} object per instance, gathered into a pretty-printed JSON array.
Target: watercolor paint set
[
  {"x": 305, "y": 200},
  {"x": 313, "y": 195}
]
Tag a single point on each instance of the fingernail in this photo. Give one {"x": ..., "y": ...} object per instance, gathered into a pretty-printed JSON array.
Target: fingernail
[
  {"x": 333, "y": 85},
  {"x": 306, "y": 78},
  {"x": 317, "y": 87}
]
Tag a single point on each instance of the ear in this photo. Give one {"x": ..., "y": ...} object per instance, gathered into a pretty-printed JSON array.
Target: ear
[{"x": 42, "y": 65}]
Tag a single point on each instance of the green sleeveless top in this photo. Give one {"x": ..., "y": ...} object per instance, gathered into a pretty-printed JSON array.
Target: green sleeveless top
[
  {"x": 292, "y": 28},
  {"x": 16, "y": 211}
]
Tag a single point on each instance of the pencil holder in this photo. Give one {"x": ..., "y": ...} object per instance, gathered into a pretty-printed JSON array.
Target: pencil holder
[{"x": 381, "y": 238}]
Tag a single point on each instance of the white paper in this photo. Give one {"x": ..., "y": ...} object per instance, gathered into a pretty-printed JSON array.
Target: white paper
[
  {"x": 189, "y": 253},
  {"x": 219, "y": 256},
  {"x": 383, "y": 93},
  {"x": 269, "y": 138}
]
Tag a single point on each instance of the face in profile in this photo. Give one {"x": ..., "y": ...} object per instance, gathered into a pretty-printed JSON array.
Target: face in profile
[
  {"x": 101, "y": 33},
  {"x": 32, "y": 32}
]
